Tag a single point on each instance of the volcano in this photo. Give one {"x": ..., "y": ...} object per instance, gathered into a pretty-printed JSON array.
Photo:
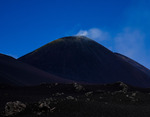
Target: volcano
[{"x": 81, "y": 59}]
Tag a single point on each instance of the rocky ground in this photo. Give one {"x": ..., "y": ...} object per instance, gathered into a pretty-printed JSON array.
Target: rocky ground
[{"x": 75, "y": 100}]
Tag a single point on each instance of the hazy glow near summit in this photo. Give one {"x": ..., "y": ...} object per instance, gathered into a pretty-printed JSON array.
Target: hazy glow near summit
[{"x": 121, "y": 26}]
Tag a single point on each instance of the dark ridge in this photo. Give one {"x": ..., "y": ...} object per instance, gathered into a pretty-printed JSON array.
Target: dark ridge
[
  {"x": 14, "y": 72},
  {"x": 3, "y": 56}
]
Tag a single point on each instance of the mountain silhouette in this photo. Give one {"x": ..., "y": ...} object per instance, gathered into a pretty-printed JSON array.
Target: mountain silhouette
[
  {"x": 81, "y": 59},
  {"x": 15, "y": 72}
]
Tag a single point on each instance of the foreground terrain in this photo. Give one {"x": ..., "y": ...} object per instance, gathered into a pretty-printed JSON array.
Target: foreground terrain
[{"x": 75, "y": 100}]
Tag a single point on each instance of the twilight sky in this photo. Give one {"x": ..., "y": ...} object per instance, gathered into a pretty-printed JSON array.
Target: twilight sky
[{"x": 121, "y": 25}]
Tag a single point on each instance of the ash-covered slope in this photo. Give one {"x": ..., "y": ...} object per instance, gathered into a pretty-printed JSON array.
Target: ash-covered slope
[
  {"x": 81, "y": 59},
  {"x": 134, "y": 63},
  {"x": 14, "y": 72}
]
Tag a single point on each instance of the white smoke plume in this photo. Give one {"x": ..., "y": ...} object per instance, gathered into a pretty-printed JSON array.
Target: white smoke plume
[{"x": 94, "y": 33}]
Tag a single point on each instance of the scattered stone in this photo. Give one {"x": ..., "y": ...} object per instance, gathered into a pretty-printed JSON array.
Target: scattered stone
[
  {"x": 58, "y": 94},
  {"x": 13, "y": 108},
  {"x": 56, "y": 84},
  {"x": 117, "y": 92},
  {"x": 44, "y": 106},
  {"x": 78, "y": 87},
  {"x": 89, "y": 93},
  {"x": 70, "y": 98},
  {"x": 124, "y": 87},
  {"x": 134, "y": 94},
  {"x": 132, "y": 97},
  {"x": 127, "y": 96}
]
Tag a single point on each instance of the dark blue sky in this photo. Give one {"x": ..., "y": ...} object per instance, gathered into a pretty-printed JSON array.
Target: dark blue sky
[{"x": 120, "y": 25}]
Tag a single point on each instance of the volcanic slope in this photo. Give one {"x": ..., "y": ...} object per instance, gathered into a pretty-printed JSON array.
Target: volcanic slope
[
  {"x": 81, "y": 59},
  {"x": 14, "y": 72}
]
